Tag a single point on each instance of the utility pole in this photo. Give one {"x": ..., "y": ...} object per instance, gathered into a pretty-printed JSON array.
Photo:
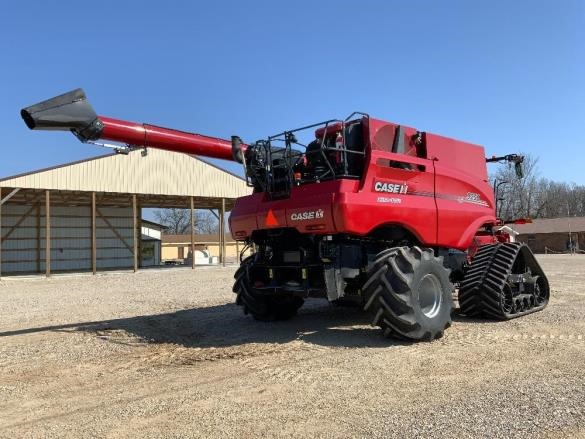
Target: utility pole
[{"x": 569, "y": 224}]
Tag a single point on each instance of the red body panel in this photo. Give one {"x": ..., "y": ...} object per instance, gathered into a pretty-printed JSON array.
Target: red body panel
[
  {"x": 464, "y": 197},
  {"x": 441, "y": 200}
]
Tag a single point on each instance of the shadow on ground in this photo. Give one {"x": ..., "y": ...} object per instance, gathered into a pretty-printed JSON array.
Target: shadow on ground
[
  {"x": 456, "y": 316},
  {"x": 225, "y": 325}
]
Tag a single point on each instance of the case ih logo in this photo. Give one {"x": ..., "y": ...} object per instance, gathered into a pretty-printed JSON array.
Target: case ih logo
[
  {"x": 309, "y": 215},
  {"x": 391, "y": 188}
]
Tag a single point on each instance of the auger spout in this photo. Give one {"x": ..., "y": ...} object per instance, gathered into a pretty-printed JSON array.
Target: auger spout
[{"x": 72, "y": 111}]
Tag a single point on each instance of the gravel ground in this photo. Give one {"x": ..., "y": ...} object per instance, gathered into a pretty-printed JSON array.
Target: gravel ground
[{"x": 166, "y": 353}]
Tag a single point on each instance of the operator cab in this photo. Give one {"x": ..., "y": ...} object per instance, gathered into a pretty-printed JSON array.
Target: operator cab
[{"x": 335, "y": 151}]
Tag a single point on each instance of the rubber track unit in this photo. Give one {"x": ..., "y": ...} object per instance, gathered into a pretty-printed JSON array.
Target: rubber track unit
[
  {"x": 485, "y": 290},
  {"x": 262, "y": 306},
  {"x": 391, "y": 301}
]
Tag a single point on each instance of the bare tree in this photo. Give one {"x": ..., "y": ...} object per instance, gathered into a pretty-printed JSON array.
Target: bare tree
[
  {"x": 206, "y": 222},
  {"x": 518, "y": 197},
  {"x": 535, "y": 197},
  {"x": 178, "y": 221}
]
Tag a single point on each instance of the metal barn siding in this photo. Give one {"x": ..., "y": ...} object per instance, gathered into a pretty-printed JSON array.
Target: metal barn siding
[
  {"x": 23, "y": 248},
  {"x": 115, "y": 237},
  {"x": 157, "y": 173},
  {"x": 21, "y": 243},
  {"x": 70, "y": 238}
]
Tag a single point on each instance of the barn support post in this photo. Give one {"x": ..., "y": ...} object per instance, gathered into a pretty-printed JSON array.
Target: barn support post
[
  {"x": 192, "y": 205},
  {"x": 135, "y": 236},
  {"x": 222, "y": 231},
  {"x": 47, "y": 233},
  {"x": 0, "y": 234},
  {"x": 219, "y": 222},
  {"x": 38, "y": 227},
  {"x": 139, "y": 231},
  {"x": 93, "y": 235}
]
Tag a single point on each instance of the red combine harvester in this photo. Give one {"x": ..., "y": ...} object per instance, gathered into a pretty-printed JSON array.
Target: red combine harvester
[{"x": 356, "y": 211}]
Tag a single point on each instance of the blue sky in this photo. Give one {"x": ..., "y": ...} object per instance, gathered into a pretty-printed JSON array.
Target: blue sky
[{"x": 506, "y": 75}]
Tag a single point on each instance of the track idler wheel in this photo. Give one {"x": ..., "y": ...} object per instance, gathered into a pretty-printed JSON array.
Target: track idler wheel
[
  {"x": 408, "y": 293},
  {"x": 262, "y": 306}
]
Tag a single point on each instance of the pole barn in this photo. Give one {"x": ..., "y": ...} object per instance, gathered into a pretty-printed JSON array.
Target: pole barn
[{"x": 86, "y": 215}]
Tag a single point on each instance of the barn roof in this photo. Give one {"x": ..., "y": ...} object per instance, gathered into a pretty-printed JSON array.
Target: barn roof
[
  {"x": 157, "y": 173},
  {"x": 552, "y": 225}
]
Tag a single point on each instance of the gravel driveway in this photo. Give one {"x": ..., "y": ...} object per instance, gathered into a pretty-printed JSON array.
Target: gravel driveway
[{"x": 166, "y": 353}]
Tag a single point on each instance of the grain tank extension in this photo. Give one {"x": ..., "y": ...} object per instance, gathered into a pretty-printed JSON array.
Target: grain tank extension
[{"x": 356, "y": 211}]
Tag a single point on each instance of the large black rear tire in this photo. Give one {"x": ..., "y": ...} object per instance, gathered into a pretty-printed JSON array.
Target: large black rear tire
[
  {"x": 262, "y": 306},
  {"x": 408, "y": 293}
]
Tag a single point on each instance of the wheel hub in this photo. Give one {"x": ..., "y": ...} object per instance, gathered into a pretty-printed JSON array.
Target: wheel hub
[{"x": 430, "y": 295}]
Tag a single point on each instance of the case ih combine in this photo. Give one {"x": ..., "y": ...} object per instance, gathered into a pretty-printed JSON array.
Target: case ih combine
[{"x": 355, "y": 211}]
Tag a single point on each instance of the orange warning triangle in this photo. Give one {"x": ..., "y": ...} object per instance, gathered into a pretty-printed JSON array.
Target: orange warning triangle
[{"x": 270, "y": 219}]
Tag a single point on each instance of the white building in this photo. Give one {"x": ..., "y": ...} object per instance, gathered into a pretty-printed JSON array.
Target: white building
[{"x": 150, "y": 254}]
